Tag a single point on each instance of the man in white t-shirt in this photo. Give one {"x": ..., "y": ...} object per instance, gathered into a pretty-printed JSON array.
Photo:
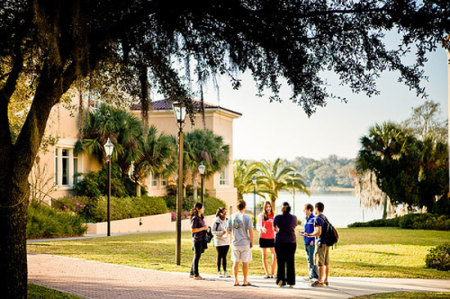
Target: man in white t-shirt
[{"x": 240, "y": 225}]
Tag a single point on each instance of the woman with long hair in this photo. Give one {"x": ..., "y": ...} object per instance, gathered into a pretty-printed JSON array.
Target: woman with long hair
[
  {"x": 221, "y": 240},
  {"x": 198, "y": 234},
  {"x": 267, "y": 238},
  {"x": 285, "y": 246}
]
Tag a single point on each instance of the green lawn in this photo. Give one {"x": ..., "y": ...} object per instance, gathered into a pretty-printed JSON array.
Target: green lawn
[
  {"x": 405, "y": 295},
  {"x": 365, "y": 252},
  {"x": 38, "y": 292}
]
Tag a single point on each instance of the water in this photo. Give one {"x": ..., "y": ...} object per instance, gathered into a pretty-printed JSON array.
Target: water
[{"x": 341, "y": 208}]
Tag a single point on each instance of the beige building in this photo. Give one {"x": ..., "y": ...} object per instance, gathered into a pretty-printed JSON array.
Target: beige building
[{"x": 57, "y": 165}]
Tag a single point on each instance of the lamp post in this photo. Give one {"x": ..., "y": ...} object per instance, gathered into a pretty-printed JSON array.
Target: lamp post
[
  {"x": 254, "y": 200},
  {"x": 180, "y": 114},
  {"x": 201, "y": 169},
  {"x": 109, "y": 147}
]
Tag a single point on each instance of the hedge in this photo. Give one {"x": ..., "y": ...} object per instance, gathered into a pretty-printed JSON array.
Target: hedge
[
  {"x": 45, "y": 222},
  {"x": 410, "y": 221},
  {"x": 211, "y": 204},
  {"x": 94, "y": 210}
]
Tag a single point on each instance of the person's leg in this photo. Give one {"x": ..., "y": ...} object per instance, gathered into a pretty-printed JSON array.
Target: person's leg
[
  {"x": 224, "y": 257},
  {"x": 281, "y": 261},
  {"x": 327, "y": 264},
  {"x": 236, "y": 271},
  {"x": 245, "y": 271},
  {"x": 290, "y": 263},
  {"x": 327, "y": 271},
  {"x": 274, "y": 260},
  {"x": 218, "y": 250},
  {"x": 264, "y": 260},
  {"x": 197, "y": 255},
  {"x": 318, "y": 260},
  {"x": 312, "y": 268}
]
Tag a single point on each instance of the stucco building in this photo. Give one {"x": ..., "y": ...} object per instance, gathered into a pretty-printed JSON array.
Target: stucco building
[{"x": 57, "y": 164}]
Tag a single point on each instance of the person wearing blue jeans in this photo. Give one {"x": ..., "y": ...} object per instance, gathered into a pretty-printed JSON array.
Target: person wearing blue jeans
[{"x": 309, "y": 241}]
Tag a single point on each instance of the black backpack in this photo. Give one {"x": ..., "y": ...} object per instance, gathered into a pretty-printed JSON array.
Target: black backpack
[{"x": 329, "y": 235}]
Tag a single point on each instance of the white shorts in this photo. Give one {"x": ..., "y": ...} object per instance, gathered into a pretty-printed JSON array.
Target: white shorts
[{"x": 241, "y": 254}]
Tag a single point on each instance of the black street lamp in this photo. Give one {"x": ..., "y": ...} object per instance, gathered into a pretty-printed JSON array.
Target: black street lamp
[
  {"x": 254, "y": 200},
  {"x": 109, "y": 147},
  {"x": 180, "y": 114},
  {"x": 201, "y": 169}
]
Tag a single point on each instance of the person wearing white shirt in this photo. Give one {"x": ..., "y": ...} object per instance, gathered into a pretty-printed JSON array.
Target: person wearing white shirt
[{"x": 221, "y": 240}]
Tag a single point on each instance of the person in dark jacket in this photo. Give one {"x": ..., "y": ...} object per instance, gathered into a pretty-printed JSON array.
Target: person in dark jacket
[
  {"x": 285, "y": 246},
  {"x": 198, "y": 234},
  {"x": 310, "y": 241}
]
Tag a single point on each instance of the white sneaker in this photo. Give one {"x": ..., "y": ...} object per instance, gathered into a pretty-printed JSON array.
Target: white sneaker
[
  {"x": 219, "y": 274},
  {"x": 225, "y": 274}
]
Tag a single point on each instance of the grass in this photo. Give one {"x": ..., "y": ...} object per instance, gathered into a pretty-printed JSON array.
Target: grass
[
  {"x": 362, "y": 252},
  {"x": 405, "y": 295},
  {"x": 38, "y": 292}
]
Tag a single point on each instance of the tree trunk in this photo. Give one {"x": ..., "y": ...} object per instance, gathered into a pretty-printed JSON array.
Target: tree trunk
[
  {"x": 138, "y": 190},
  {"x": 385, "y": 206},
  {"x": 195, "y": 186}
]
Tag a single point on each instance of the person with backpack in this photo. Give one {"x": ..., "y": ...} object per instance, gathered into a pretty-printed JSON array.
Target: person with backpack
[
  {"x": 310, "y": 242},
  {"x": 198, "y": 238},
  {"x": 221, "y": 240},
  {"x": 241, "y": 227},
  {"x": 326, "y": 236}
]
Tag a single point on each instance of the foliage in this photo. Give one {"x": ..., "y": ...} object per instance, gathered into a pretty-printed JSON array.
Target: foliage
[
  {"x": 211, "y": 204},
  {"x": 45, "y": 222},
  {"x": 425, "y": 122},
  {"x": 95, "y": 209},
  {"x": 362, "y": 252},
  {"x": 406, "y": 295},
  {"x": 95, "y": 184},
  {"x": 439, "y": 257},
  {"x": 244, "y": 172},
  {"x": 203, "y": 146},
  {"x": 325, "y": 173},
  {"x": 276, "y": 176},
  {"x": 425, "y": 221}
]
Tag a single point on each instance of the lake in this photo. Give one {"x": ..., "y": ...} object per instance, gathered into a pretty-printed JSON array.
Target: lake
[{"x": 341, "y": 208}]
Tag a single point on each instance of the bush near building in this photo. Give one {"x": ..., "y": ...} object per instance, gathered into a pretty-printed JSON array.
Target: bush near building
[
  {"x": 94, "y": 209},
  {"x": 410, "y": 221},
  {"x": 211, "y": 204},
  {"x": 46, "y": 222}
]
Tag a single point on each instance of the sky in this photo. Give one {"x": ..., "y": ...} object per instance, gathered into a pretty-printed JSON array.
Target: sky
[{"x": 282, "y": 130}]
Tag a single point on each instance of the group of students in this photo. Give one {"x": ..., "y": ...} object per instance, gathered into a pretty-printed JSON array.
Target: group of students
[{"x": 276, "y": 233}]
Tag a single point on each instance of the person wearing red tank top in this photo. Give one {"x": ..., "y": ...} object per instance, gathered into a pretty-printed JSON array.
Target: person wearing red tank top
[{"x": 266, "y": 238}]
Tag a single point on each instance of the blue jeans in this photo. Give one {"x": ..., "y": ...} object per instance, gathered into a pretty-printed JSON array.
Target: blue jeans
[{"x": 312, "y": 269}]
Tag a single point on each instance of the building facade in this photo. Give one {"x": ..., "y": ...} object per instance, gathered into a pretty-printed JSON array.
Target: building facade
[{"x": 57, "y": 164}]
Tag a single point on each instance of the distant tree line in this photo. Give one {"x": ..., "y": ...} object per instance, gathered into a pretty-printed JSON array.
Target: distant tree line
[{"x": 332, "y": 171}]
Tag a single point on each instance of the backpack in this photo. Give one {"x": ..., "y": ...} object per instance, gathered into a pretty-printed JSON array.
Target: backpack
[{"x": 330, "y": 235}]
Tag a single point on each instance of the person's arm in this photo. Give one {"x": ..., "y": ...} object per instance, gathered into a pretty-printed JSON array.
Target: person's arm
[
  {"x": 275, "y": 227},
  {"x": 250, "y": 233},
  {"x": 317, "y": 229},
  {"x": 215, "y": 228},
  {"x": 196, "y": 229},
  {"x": 229, "y": 223},
  {"x": 259, "y": 226}
]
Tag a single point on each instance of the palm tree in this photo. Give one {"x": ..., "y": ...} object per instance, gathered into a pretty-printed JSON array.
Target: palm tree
[
  {"x": 276, "y": 176},
  {"x": 158, "y": 156},
  {"x": 243, "y": 174},
  {"x": 203, "y": 146},
  {"x": 383, "y": 144},
  {"x": 120, "y": 126},
  {"x": 296, "y": 183}
]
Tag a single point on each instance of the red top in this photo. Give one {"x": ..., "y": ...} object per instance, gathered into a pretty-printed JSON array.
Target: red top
[{"x": 268, "y": 225}]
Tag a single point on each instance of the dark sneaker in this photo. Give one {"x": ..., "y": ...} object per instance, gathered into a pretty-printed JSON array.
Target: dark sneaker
[{"x": 317, "y": 284}]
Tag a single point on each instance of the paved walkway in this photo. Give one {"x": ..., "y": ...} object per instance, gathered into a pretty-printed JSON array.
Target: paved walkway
[{"x": 101, "y": 280}]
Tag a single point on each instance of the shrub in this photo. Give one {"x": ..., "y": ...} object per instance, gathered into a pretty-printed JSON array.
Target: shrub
[
  {"x": 410, "y": 221},
  {"x": 439, "y": 257},
  {"x": 171, "y": 202},
  {"x": 46, "y": 222},
  {"x": 212, "y": 204},
  {"x": 94, "y": 210}
]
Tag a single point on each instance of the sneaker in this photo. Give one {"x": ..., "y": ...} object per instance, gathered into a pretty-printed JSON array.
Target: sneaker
[
  {"x": 317, "y": 284},
  {"x": 191, "y": 275},
  {"x": 326, "y": 283},
  {"x": 198, "y": 278},
  {"x": 266, "y": 276},
  {"x": 280, "y": 284},
  {"x": 219, "y": 274},
  {"x": 307, "y": 279},
  {"x": 226, "y": 275},
  {"x": 291, "y": 286}
]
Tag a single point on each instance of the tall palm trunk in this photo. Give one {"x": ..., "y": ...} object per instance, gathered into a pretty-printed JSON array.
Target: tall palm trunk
[{"x": 385, "y": 206}]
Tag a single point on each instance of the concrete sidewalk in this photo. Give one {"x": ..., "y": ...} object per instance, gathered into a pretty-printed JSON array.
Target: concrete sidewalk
[{"x": 92, "y": 279}]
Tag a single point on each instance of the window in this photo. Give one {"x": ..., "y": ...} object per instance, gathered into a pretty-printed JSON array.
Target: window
[
  {"x": 155, "y": 178},
  {"x": 223, "y": 180},
  {"x": 95, "y": 100},
  {"x": 67, "y": 164},
  {"x": 163, "y": 182}
]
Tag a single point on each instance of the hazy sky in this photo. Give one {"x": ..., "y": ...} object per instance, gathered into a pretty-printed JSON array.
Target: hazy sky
[{"x": 270, "y": 130}]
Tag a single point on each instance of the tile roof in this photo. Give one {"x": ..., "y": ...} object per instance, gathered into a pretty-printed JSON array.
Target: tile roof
[{"x": 167, "y": 105}]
